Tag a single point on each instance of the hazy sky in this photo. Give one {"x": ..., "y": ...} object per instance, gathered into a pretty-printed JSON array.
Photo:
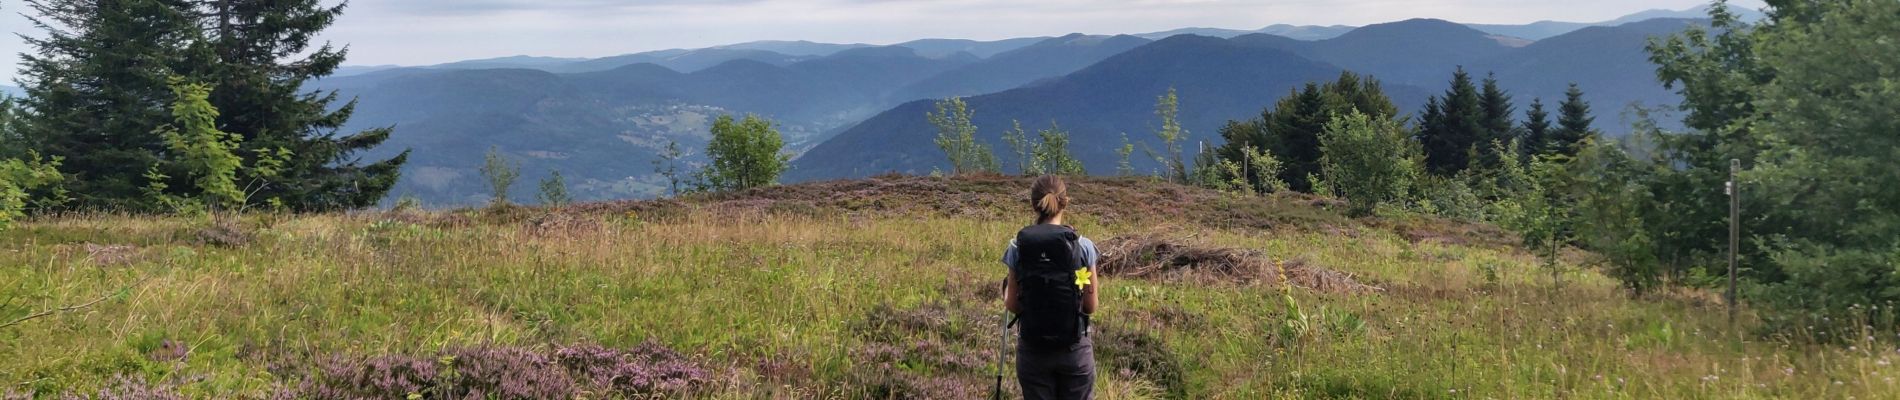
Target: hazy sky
[{"x": 419, "y": 32}]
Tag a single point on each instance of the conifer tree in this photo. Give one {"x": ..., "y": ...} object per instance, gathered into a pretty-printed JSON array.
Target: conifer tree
[
  {"x": 1573, "y": 122},
  {"x": 1535, "y": 135},
  {"x": 1497, "y": 123},
  {"x": 97, "y": 83},
  {"x": 264, "y": 57},
  {"x": 1293, "y": 134},
  {"x": 96, "y": 87},
  {"x": 1451, "y": 126}
]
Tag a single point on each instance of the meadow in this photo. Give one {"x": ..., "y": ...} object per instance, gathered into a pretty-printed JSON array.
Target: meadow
[{"x": 879, "y": 288}]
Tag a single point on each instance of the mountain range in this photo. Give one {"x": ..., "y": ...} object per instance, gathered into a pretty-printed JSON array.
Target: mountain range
[
  {"x": 783, "y": 52},
  {"x": 1541, "y": 30},
  {"x": 1231, "y": 79},
  {"x": 854, "y": 110}
]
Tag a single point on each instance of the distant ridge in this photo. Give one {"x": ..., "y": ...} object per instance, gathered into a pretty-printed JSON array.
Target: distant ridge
[
  {"x": 783, "y": 52},
  {"x": 1221, "y": 80},
  {"x": 981, "y": 49},
  {"x": 1048, "y": 58},
  {"x": 1096, "y": 105},
  {"x": 794, "y": 47},
  {"x": 1541, "y": 30}
]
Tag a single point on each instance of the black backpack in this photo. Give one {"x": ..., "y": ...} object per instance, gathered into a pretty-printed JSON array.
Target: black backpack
[{"x": 1047, "y": 257}]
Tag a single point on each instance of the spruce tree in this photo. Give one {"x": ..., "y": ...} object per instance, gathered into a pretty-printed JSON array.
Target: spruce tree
[
  {"x": 97, "y": 85},
  {"x": 1497, "y": 123},
  {"x": 97, "y": 92},
  {"x": 1452, "y": 126},
  {"x": 1293, "y": 134},
  {"x": 1535, "y": 137},
  {"x": 264, "y": 59},
  {"x": 11, "y": 145},
  {"x": 1573, "y": 122},
  {"x": 1352, "y": 92}
]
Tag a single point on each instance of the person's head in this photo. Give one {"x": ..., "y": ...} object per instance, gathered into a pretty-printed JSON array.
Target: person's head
[{"x": 1049, "y": 196}]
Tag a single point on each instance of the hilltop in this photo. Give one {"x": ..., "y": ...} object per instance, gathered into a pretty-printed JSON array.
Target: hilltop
[{"x": 872, "y": 288}]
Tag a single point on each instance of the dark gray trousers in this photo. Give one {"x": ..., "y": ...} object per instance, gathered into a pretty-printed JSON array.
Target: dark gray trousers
[{"x": 1061, "y": 374}]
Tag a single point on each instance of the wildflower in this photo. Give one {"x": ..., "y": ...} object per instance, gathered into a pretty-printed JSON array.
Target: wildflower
[{"x": 1082, "y": 277}]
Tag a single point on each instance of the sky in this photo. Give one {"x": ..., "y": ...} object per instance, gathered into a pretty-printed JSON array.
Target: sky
[{"x": 422, "y": 32}]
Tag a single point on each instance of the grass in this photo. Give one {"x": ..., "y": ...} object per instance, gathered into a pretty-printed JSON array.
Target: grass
[{"x": 789, "y": 301}]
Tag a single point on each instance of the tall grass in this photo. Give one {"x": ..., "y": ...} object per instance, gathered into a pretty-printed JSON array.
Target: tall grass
[{"x": 777, "y": 303}]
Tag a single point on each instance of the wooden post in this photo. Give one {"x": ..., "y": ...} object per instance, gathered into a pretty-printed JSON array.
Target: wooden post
[{"x": 1734, "y": 230}]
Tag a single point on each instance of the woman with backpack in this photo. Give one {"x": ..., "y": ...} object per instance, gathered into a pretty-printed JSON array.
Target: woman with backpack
[{"x": 1052, "y": 292}]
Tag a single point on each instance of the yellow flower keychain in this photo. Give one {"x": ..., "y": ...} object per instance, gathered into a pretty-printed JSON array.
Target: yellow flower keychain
[{"x": 1082, "y": 277}]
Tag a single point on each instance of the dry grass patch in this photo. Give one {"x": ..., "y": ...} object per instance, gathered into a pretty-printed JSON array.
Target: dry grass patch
[{"x": 1149, "y": 257}]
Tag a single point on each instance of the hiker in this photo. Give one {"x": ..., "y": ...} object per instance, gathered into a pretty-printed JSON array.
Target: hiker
[{"x": 1052, "y": 292}]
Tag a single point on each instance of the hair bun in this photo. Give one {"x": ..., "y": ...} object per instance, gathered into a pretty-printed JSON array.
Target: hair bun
[{"x": 1050, "y": 203}]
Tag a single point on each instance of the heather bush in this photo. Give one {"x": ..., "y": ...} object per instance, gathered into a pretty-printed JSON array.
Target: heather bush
[
  {"x": 505, "y": 372},
  {"x": 493, "y": 372},
  {"x": 650, "y": 368},
  {"x": 128, "y": 388},
  {"x": 390, "y": 376}
]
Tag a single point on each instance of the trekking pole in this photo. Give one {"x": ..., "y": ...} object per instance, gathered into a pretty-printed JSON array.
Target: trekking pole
[{"x": 1003, "y": 347}]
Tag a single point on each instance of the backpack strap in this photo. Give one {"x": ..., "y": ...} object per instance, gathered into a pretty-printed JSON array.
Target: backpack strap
[{"x": 1081, "y": 262}]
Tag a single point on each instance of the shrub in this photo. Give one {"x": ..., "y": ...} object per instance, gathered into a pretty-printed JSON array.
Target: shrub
[
  {"x": 554, "y": 190},
  {"x": 1052, "y": 154},
  {"x": 500, "y": 173},
  {"x": 203, "y": 150},
  {"x": 1168, "y": 108},
  {"x": 1368, "y": 161},
  {"x": 745, "y": 154},
  {"x": 17, "y": 177},
  {"x": 956, "y": 135}
]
